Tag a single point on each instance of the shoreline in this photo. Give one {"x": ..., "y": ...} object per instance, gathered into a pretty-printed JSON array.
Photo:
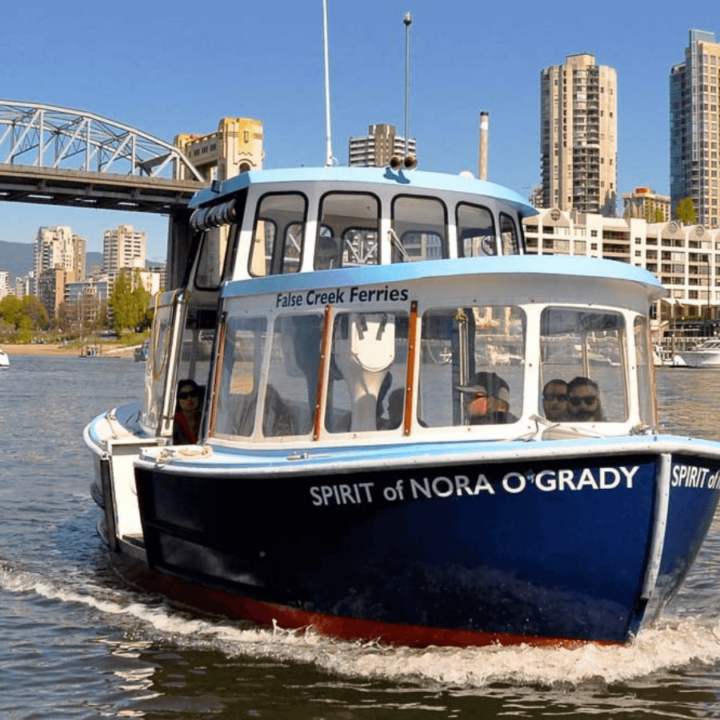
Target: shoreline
[{"x": 54, "y": 350}]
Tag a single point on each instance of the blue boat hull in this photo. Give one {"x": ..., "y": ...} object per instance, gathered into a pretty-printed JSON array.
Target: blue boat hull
[{"x": 552, "y": 550}]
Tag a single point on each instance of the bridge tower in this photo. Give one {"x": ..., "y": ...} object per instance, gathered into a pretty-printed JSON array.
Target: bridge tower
[{"x": 236, "y": 147}]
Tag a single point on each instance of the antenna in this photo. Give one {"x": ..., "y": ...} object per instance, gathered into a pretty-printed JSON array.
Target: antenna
[
  {"x": 407, "y": 19},
  {"x": 328, "y": 132}
]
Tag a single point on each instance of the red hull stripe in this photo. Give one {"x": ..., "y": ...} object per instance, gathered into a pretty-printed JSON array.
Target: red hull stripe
[{"x": 265, "y": 613}]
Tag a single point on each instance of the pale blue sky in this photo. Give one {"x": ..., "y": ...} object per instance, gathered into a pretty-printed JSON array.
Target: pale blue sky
[{"x": 169, "y": 67}]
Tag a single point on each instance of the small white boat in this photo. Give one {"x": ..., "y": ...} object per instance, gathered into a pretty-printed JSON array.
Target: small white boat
[
  {"x": 704, "y": 355},
  {"x": 4, "y": 360}
]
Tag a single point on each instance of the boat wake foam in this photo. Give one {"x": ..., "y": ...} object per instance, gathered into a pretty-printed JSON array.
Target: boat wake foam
[{"x": 674, "y": 643}]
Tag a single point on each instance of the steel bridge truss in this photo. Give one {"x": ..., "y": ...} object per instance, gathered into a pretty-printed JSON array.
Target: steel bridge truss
[{"x": 45, "y": 136}]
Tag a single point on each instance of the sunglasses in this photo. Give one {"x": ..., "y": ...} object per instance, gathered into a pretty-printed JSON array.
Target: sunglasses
[
  {"x": 559, "y": 397},
  {"x": 186, "y": 395},
  {"x": 586, "y": 399}
]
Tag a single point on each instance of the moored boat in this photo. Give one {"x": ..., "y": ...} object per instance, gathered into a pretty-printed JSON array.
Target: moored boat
[
  {"x": 703, "y": 355},
  {"x": 376, "y": 455},
  {"x": 4, "y": 359}
]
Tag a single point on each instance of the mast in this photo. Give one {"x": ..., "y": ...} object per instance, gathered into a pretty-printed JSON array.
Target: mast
[
  {"x": 407, "y": 20},
  {"x": 484, "y": 122},
  {"x": 328, "y": 132}
]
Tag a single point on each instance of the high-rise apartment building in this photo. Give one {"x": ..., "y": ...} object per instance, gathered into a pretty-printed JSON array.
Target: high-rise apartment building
[
  {"x": 57, "y": 248},
  {"x": 123, "y": 247},
  {"x": 694, "y": 118},
  {"x": 578, "y": 136},
  {"x": 378, "y": 146}
]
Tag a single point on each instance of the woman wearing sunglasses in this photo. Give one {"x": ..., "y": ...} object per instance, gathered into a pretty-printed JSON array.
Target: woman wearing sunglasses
[
  {"x": 187, "y": 413},
  {"x": 584, "y": 401}
]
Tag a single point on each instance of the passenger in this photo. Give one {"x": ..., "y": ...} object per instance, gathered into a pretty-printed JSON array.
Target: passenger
[
  {"x": 555, "y": 399},
  {"x": 584, "y": 401},
  {"x": 278, "y": 420},
  {"x": 488, "y": 401},
  {"x": 395, "y": 408},
  {"x": 188, "y": 413}
]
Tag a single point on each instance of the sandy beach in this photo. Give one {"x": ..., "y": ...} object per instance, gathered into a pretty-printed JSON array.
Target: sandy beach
[{"x": 51, "y": 350}]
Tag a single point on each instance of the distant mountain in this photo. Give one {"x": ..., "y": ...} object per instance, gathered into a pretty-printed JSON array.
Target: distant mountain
[{"x": 18, "y": 258}]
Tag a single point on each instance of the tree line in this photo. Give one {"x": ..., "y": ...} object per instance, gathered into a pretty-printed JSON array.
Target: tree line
[{"x": 127, "y": 310}]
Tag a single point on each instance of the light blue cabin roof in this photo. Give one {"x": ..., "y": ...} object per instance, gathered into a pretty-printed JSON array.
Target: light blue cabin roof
[
  {"x": 406, "y": 179},
  {"x": 543, "y": 269}
]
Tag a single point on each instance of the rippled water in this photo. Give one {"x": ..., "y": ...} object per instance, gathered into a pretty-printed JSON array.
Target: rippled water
[{"x": 76, "y": 643}]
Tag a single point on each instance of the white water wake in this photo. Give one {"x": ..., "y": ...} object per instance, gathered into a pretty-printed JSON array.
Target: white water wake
[{"x": 673, "y": 643}]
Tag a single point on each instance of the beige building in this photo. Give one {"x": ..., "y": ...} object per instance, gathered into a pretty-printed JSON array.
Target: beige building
[
  {"x": 123, "y": 247},
  {"x": 59, "y": 257},
  {"x": 51, "y": 289},
  {"x": 378, "y": 146},
  {"x": 236, "y": 147},
  {"x": 685, "y": 258},
  {"x": 644, "y": 203},
  {"x": 578, "y": 136},
  {"x": 694, "y": 119}
]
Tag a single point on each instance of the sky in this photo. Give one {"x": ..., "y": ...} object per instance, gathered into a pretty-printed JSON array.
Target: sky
[{"x": 178, "y": 67}]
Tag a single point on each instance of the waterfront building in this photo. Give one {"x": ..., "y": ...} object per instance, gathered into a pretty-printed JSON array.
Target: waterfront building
[
  {"x": 4, "y": 284},
  {"x": 236, "y": 147},
  {"x": 59, "y": 258},
  {"x": 378, "y": 146},
  {"x": 694, "y": 119},
  {"x": 123, "y": 247},
  {"x": 578, "y": 136},
  {"x": 87, "y": 300},
  {"x": 51, "y": 288},
  {"x": 57, "y": 247},
  {"x": 686, "y": 258},
  {"x": 646, "y": 204}
]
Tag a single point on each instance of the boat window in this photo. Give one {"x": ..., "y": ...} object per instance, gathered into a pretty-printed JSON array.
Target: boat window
[
  {"x": 291, "y": 392},
  {"x": 367, "y": 372},
  {"x": 645, "y": 371},
  {"x": 237, "y": 386},
  {"x": 419, "y": 229},
  {"x": 348, "y": 231},
  {"x": 585, "y": 349},
  {"x": 197, "y": 347},
  {"x": 475, "y": 231},
  {"x": 278, "y": 235},
  {"x": 471, "y": 366},
  {"x": 213, "y": 251},
  {"x": 156, "y": 367},
  {"x": 509, "y": 235}
]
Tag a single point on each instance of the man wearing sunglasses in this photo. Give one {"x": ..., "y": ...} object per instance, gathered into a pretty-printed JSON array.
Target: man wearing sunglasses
[
  {"x": 584, "y": 401},
  {"x": 487, "y": 400},
  {"x": 555, "y": 400}
]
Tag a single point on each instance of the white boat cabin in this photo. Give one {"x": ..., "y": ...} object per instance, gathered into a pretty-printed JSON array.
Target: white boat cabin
[{"x": 334, "y": 304}]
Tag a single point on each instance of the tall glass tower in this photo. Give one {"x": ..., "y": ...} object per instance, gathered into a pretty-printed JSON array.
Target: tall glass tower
[{"x": 694, "y": 118}]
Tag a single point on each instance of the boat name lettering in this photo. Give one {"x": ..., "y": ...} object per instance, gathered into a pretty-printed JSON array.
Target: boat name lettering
[
  {"x": 352, "y": 494},
  {"x": 692, "y": 476},
  {"x": 444, "y": 486},
  {"x": 313, "y": 298}
]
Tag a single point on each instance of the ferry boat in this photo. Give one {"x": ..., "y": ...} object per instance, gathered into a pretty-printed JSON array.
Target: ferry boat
[{"x": 411, "y": 430}]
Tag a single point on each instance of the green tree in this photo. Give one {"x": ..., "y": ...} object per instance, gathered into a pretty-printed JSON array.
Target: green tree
[
  {"x": 685, "y": 211},
  {"x": 130, "y": 307},
  {"x": 32, "y": 309},
  {"x": 10, "y": 309},
  {"x": 28, "y": 313},
  {"x": 24, "y": 330}
]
